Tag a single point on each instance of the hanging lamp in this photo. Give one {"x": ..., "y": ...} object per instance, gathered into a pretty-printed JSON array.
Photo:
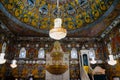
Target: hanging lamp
[
  {"x": 58, "y": 32},
  {"x": 111, "y": 60},
  {"x": 2, "y": 60},
  {"x": 14, "y": 64}
]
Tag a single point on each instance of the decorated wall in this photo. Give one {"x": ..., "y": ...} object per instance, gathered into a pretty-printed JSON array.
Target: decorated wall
[
  {"x": 32, "y": 62},
  {"x": 114, "y": 39}
]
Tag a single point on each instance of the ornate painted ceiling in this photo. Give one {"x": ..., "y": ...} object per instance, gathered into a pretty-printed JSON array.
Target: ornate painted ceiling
[{"x": 81, "y": 18}]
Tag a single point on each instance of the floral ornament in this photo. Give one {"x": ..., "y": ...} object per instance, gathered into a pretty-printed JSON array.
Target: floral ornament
[
  {"x": 87, "y": 19},
  {"x": 44, "y": 24},
  {"x": 79, "y": 23},
  {"x": 97, "y": 1},
  {"x": 35, "y": 12},
  {"x": 102, "y": 5},
  {"x": 79, "y": 20},
  {"x": 18, "y": 12},
  {"x": 96, "y": 14},
  {"x": 16, "y": 1},
  {"x": 36, "y": 16},
  {"x": 70, "y": 25},
  {"x": 10, "y": 1},
  {"x": 68, "y": 19},
  {"x": 21, "y": 6},
  {"x": 10, "y": 5},
  {"x": 26, "y": 18},
  {"x": 34, "y": 22}
]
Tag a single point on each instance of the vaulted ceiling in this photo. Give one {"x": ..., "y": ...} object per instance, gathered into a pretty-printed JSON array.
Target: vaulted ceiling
[{"x": 81, "y": 18}]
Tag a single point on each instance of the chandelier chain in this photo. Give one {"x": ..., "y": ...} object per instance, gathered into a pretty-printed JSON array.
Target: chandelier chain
[{"x": 58, "y": 8}]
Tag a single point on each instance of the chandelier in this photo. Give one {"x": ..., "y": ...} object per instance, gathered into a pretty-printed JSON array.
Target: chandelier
[
  {"x": 13, "y": 65},
  {"x": 93, "y": 61},
  {"x": 57, "y": 32},
  {"x": 57, "y": 66},
  {"x": 111, "y": 60},
  {"x": 2, "y": 59},
  {"x": 92, "y": 56}
]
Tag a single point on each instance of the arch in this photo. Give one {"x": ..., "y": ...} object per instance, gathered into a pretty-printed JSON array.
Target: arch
[
  {"x": 85, "y": 60},
  {"x": 91, "y": 53},
  {"x": 4, "y": 47}
]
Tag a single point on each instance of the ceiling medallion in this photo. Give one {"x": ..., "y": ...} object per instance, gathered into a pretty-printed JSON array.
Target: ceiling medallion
[{"x": 2, "y": 59}]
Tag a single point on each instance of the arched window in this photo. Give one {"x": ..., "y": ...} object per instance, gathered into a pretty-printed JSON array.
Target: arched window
[
  {"x": 4, "y": 47},
  {"x": 22, "y": 53},
  {"x": 84, "y": 57},
  {"x": 41, "y": 53},
  {"x": 91, "y": 53},
  {"x": 74, "y": 53}
]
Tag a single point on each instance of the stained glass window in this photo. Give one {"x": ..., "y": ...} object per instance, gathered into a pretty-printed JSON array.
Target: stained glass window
[
  {"x": 74, "y": 53},
  {"x": 41, "y": 53},
  {"x": 22, "y": 53}
]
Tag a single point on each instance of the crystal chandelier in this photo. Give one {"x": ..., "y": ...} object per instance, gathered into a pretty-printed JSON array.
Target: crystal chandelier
[
  {"x": 57, "y": 32},
  {"x": 93, "y": 61},
  {"x": 111, "y": 60},
  {"x": 2, "y": 60},
  {"x": 13, "y": 65}
]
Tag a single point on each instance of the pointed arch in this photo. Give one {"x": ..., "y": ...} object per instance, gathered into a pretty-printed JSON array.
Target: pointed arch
[
  {"x": 91, "y": 53},
  {"x": 22, "y": 53},
  {"x": 41, "y": 53},
  {"x": 4, "y": 47},
  {"x": 74, "y": 54}
]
